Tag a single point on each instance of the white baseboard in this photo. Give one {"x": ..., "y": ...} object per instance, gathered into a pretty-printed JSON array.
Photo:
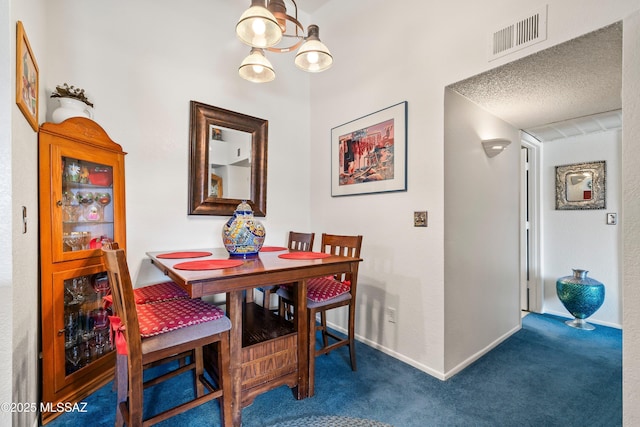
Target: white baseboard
[
  {"x": 481, "y": 353},
  {"x": 392, "y": 353},
  {"x": 426, "y": 369},
  {"x": 590, "y": 320}
]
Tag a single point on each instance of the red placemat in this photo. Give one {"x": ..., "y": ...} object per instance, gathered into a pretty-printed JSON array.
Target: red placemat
[
  {"x": 208, "y": 264},
  {"x": 178, "y": 255},
  {"x": 272, "y": 249},
  {"x": 304, "y": 255}
]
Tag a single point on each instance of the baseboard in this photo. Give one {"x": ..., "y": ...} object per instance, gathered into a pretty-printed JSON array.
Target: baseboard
[
  {"x": 590, "y": 320},
  {"x": 392, "y": 353},
  {"x": 426, "y": 369},
  {"x": 481, "y": 353}
]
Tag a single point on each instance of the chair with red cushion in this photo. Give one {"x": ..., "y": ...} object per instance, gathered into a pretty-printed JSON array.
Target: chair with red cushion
[
  {"x": 297, "y": 242},
  {"x": 328, "y": 293},
  {"x": 146, "y": 334}
]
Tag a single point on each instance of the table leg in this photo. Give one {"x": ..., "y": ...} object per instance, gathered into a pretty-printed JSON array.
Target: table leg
[
  {"x": 234, "y": 311},
  {"x": 300, "y": 318}
]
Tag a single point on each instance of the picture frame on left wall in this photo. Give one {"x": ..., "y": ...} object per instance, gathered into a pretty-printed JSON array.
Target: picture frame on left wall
[{"x": 27, "y": 78}]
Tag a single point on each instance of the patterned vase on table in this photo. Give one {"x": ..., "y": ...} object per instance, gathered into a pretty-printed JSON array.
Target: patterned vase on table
[
  {"x": 242, "y": 234},
  {"x": 581, "y": 296}
]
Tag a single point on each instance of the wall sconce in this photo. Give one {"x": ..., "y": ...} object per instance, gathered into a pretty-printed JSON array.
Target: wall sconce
[
  {"x": 264, "y": 25},
  {"x": 493, "y": 147}
]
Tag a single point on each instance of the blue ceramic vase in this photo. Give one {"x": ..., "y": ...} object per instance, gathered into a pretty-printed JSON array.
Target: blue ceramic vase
[
  {"x": 581, "y": 296},
  {"x": 242, "y": 234}
]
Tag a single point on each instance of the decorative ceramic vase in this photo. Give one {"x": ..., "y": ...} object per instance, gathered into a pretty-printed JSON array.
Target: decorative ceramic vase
[
  {"x": 71, "y": 107},
  {"x": 243, "y": 235},
  {"x": 581, "y": 296}
]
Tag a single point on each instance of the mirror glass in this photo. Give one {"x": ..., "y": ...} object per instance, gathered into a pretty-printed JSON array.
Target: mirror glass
[
  {"x": 227, "y": 162},
  {"x": 579, "y": 186}
]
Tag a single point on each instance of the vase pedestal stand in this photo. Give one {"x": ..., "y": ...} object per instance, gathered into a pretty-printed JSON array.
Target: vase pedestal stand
[{"x": 580, "y": 324}]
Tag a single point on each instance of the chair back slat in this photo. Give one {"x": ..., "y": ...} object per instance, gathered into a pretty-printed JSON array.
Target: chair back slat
[
  {"x": 342, "y": 245},
  {"x": 123, "y": 297},
  {"x": 301, "y": 241}
]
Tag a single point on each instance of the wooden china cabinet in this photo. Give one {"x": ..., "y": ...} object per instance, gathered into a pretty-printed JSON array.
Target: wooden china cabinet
[{"x": 82, "y": 202}]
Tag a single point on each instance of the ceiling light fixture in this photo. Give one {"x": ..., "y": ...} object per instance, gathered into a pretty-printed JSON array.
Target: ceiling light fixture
[
  {"x": 264, "y": 25},
  {"x": 493, "y": 147}
]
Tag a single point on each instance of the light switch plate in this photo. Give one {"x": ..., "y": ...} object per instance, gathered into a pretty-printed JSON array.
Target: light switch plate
[
  {"x": 420, "y": 219},
  {"x": 612, "y": 218}
]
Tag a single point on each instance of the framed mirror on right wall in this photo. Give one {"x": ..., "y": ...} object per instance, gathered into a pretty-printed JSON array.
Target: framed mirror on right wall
[{"x": 581, "y": 186}]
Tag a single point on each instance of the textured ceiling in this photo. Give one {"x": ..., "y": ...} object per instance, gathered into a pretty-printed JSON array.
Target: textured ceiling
[{"x": 567, "y": 82}]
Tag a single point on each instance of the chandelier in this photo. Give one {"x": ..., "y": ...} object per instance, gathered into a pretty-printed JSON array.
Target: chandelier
[{"x": 267, "y": 26}]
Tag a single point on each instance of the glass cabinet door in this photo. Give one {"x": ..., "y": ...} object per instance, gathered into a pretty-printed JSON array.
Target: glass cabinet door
[
  {"x": 82, "y": 319},
  {"x": 84, "y": 199}
]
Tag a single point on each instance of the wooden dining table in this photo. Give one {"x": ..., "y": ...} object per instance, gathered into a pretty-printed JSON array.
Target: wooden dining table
[{"x": 269, "y": 267}]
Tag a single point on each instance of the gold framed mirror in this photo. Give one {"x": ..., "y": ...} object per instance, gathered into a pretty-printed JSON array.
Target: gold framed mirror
[{"x": 242, "y": 163}]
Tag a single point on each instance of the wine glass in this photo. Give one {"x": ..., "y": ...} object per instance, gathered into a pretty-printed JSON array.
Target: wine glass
[
  {"x": 70, "y": 329},
  {"x": 70, "y": 211},
  {"x": 100, "y": 319},
  {"x": 77, "y": 289},
  {"x": 100, "y": 343},
  {"x": 73, "y": 240},
  {"x": 85, "y": 198},
  {"x": 85, "y": 239},
  {"x": 74, "y": 356},
  {"x": 103, "y": 199}
]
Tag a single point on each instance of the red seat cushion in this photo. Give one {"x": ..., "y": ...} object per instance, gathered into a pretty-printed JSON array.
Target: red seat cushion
[
  {"x": 155, "y": 319},
  {"x": 166, "y": 291},
  {"x": 324, "y": 288}
]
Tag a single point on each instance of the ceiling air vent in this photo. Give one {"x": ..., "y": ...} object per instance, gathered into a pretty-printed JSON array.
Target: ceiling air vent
[{"x": 518, "y": 35}]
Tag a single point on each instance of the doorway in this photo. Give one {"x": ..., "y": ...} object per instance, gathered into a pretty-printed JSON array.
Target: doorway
[
  {"x": 530, "y": 258},
  {"x": 538, "y": 103}
]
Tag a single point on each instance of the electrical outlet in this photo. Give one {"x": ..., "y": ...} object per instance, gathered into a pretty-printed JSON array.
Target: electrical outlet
[
  {"x": 391, "y": 315},
  {"x": 612, "y": 218}
]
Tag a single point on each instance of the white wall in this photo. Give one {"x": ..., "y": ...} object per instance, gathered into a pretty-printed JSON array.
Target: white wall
[
  {"x": 581, "y": 238},
  {"x": 411, "y": 51},
  {"x": 24, "y": 192},
  {"x": 481, "y": 233},
  {"x": 6, "y": 273},
  {"x": 140, "y": 64},
  {"x": 631, "y": 220}
]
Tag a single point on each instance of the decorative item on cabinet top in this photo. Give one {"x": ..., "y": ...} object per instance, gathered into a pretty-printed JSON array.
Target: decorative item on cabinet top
[{"x": 73, "y": 103}]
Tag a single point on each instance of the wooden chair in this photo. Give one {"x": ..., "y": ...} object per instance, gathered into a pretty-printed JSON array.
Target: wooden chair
[
  {"x": 297, "y": 242},
  {"x": 328, "y": 293},
  {"x": 147, "y": 334}
]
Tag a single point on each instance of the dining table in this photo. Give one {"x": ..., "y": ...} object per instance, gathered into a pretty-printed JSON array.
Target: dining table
[{"x": 258, "y": 367}]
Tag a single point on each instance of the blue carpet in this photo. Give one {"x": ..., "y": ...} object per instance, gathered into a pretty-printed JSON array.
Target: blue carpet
[{"x": 547, "y": 374}]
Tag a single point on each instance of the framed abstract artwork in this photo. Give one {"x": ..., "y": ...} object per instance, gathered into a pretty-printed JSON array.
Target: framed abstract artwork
[
  {"x": 26, "y": 78},
  {"x": 581, "y": 186},
  {"x": 369, "y": 154}
]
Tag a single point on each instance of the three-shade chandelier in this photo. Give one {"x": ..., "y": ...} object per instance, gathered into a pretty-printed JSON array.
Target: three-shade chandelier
[{"x": 264, "y": 26}]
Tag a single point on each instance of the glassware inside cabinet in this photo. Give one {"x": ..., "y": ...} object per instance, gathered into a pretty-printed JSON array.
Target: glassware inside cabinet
[
  {"x": 86, "y": 320},
  {"x": 87, "y": 204}
]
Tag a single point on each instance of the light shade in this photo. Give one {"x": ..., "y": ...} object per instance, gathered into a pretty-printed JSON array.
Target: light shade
[
  {"x": 313, "y": 56},
  {"x": 257, "y": 27},
  {"x": 256, "y": 68},
  {"x": 493, "y": 147}
]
